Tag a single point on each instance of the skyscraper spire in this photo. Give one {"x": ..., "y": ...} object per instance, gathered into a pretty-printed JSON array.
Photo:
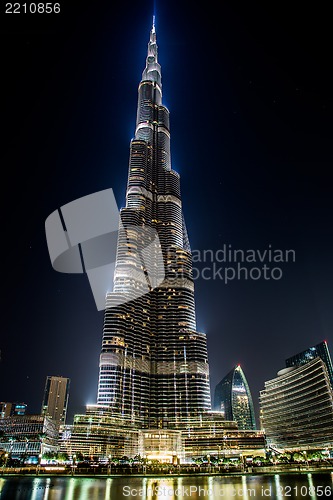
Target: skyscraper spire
[{"x": 152, "y": 70}]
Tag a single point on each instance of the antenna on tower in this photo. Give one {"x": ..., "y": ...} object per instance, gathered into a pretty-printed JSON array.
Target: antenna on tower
[{"x": 153, "y": 29}]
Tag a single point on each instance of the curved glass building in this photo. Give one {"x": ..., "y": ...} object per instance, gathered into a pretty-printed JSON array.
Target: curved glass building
[
  {"x": 296, "y": 407},
  {"x": 153, "y": 364},
  {"x": 233, "y": 398}
]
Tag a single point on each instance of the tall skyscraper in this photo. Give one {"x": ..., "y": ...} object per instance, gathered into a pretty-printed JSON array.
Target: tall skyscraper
[
  {"x": 55, "y": 400},
  {"x": 153, "y": 365},
  {"x": 233, "y": 398}
]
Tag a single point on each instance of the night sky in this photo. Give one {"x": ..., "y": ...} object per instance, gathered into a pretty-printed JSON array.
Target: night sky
[{"x": 250, "y": 95}]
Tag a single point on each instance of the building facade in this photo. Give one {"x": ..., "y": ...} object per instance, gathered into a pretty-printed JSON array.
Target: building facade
[
  {"x": 28, "y": 436},
  {"x": 99, "y": 436},
  {"x": 296, "y": 408},
  {"x": 233, "y": 398},
  {"x": 320, "y": 350},
  {"x": 8, "y": 409},
  {"x": 153, "y": 363},
  {"x": 55, "y": 402}
]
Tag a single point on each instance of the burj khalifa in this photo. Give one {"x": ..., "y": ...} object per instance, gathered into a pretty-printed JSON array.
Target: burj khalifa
[{"x": 153, "y": 368}]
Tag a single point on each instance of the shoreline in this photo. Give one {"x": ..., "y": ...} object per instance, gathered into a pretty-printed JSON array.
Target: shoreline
[{"x": 293, "y": 471}]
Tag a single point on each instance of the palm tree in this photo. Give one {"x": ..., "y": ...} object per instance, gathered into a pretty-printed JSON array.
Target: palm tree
[
  {"x": 63, "y": 456},
  {"x": 197, "y": 460},
  {"x": 49, "y": 455}
]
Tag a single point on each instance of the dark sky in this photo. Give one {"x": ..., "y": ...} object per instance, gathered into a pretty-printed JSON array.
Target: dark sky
[{"x": 249, "y": 89}]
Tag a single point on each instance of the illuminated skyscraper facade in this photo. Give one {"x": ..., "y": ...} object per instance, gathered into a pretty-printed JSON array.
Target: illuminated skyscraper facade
[
  {"x": 233, "y": 398},
  {"x": 153, "y": 364},
  {"x": 296, "y": 407},
  {"x": 320, "y": 350}
]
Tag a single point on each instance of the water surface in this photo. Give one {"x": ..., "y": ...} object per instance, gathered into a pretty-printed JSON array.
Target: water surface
[{"x": 274, "y": 486}]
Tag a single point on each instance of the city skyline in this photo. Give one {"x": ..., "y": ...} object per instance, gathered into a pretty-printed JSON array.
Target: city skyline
[{"x": 244, "y": 183}]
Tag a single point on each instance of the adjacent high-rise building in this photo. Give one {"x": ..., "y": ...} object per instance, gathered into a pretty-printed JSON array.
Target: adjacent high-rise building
[
  {"x": 55, "y": 402},
  {"x": 233, "y": 398},
  {"x": 296, "y": 407},
  {"x": 153, "y": 364},
  {"x": 320, "y": 350}
]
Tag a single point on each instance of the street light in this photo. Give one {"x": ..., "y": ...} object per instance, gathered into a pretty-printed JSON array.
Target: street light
[{"x": 109, "y": 464}]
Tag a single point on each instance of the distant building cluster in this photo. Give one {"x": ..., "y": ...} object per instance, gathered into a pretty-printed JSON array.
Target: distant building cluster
[{"x": 28, "y": 437}]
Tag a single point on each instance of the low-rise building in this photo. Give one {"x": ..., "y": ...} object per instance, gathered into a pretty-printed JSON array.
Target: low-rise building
[
  {"x": 9, "y": 409},
  {"x": 28, "y": 435},
  {"x": 99, "y": 435}
]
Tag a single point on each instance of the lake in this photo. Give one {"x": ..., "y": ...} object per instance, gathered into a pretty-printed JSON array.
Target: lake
[{"x": 274, "y": 486}]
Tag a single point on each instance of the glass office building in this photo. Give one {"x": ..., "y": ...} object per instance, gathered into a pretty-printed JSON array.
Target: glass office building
[
  {"x": 233, "y": 398},
  {"x": 320, "y": 350},
  {"x": 296, "y": 408}
]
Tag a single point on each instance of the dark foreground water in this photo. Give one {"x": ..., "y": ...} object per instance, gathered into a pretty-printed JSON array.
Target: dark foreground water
[{"x": 168, "y": 488}]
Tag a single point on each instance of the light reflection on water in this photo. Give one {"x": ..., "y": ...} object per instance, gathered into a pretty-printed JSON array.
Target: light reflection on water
[{"x": 274, "y": 486}]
